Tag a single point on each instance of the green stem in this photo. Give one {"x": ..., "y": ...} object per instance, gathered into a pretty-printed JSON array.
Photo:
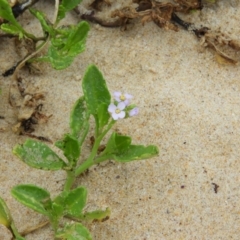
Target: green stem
[
  {"x": 90, "y": 160},
  {"x": 70, "y": 180},
  {"x": 15, "y": 232}
]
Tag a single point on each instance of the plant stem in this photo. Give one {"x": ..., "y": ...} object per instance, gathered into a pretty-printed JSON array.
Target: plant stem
[
  {"x": 15, "y": 231},
  {"x": 70, "y": 180},
  {"x": 90, "y": 160}
]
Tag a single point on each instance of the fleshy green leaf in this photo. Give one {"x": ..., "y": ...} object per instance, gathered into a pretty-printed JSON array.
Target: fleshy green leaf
[
  {"x": 99, "y": 215},
  {"x": 7, "y": 14},
  {"x": 56, "y": 213},
  {"x": 76, "y": 201},
  {"x": 74, "y": 231},
  {"x": 69, "y": 5},
  {"x": 77, "y": 35},
  {"x": 46, "y": 25},
  {"x": 11, "y": 29},
  {"x": 38, "y": 155},
  {"x": 120, "y": 148},
  {"x": 103, "y": 115},
  {"x": 65, "y": 47},
  {"x": 5, "y": 216},
  {"x": 33, "y": 197},
  {"x": 117, "y": 143},
  {"x": 136, "y": 152},
  {"x": 79, "y": 117},
  {"x": 65, "y": 6},
  {"x": 20, "y": 238},
  {"x": 70, "y": 147},
  {"x": 96, "y": 94}
]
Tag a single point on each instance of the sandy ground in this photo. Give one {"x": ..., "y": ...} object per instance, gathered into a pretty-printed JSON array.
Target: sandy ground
[{"x": 189, "y": 107}]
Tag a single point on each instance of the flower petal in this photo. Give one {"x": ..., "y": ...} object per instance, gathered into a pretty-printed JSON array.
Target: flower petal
[
  {"x": 126, "y": 102},
  {"x": 112, "y": 108},
  {"x": 115, "y": 116},
  {"x": 134, "y": 112},
  {"x": 117, "y": 94},
  {"x": 128, "y": 96},
  {"x": 121, "y": 114},
  {"x": 121, "y": 105}
]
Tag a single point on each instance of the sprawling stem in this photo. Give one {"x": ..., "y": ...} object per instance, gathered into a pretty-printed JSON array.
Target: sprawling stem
[
  {"x": 90, "y": 160},
  {"x": 69, "y": 181},
  {"x": 15, "y": 231}
]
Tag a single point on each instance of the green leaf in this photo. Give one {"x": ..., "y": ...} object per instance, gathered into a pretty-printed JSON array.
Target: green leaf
[
  {"x": 74, "y": 231},
  {"x": 5, "y": 216},
  {"x": 65, "y": 47},
  {"x": 96, "y": 94},
  {"x": 99, "y": 215},
  {"x": 65, "y": 6},
  {"x": 20, "y": 238},
  {"x": 46, "y": 25},
  {"x": 56, "y": 213},
  {"x": 78, "y": 118},
  {"x": 33, "y": 197},
  {"x": 70, "y": 147},
  {"x": 69, "y": 5},
  {"x": 103, "y": 115},
  {"x": 38, "y": 155},
  {"x": 76, "y": 36},
  {"x": 136, "y": 152},
  {"x": 117, "y": 143},
  {"x": 11, "y": 29},
  {"x": 7, "y": 14},
  {"x": 76, "y": 201},
  {"x": 120, "y": 148}
]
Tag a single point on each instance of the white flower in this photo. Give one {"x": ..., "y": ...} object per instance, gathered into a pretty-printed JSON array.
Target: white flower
[
  {"x": 119, "y": 97},
  {"x": 117, "y": 111},
  {"x": 134, "y": 112}
]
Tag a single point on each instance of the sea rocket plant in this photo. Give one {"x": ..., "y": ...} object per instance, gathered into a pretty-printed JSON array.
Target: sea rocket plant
[{"x": 70, "y": 203}]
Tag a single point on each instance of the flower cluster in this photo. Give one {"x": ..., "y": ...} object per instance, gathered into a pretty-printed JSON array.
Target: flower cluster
[{"x": 121, "y": 108}]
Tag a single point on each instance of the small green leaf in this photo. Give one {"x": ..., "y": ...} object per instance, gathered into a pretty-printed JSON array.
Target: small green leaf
[
  {"x": 65, "y": 47},
  {"x": 70, "y": 147},
  {"x": 96, "y": 94},
  {"x": 11, "y": 29},
  {"x": 69, "y": 5},
  {"x": 120, "y": 148},
  {"x": 56, "y": 213},
  {"x": 117, "y": 143},
  {"x": 33, "y": 197},
  {"x": 103, "y": 115},
  {"x": 20, "y": 238},
  {"x": 38, "y": 155},
  {"x": 78, "y": 118},
  {"x": 74, "y": 231},
  {"x": 7, "y": 14},
  {"x": 5, "y": 216},
  {"x": 46, "y": 25},
  {"x": 99, "y": 215},
  {"x": 77, "y": 35},
  {"x": 76, "y": 201},
  {"x": 65, "y": 6},
  {"x": 136, "y": 152}
]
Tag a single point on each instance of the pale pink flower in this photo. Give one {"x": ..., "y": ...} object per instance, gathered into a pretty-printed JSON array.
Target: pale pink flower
[
  {"x": 119, "y": 97},
  {"x": 134, "y": 112},
  {"x": 117, "y": 111}
]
